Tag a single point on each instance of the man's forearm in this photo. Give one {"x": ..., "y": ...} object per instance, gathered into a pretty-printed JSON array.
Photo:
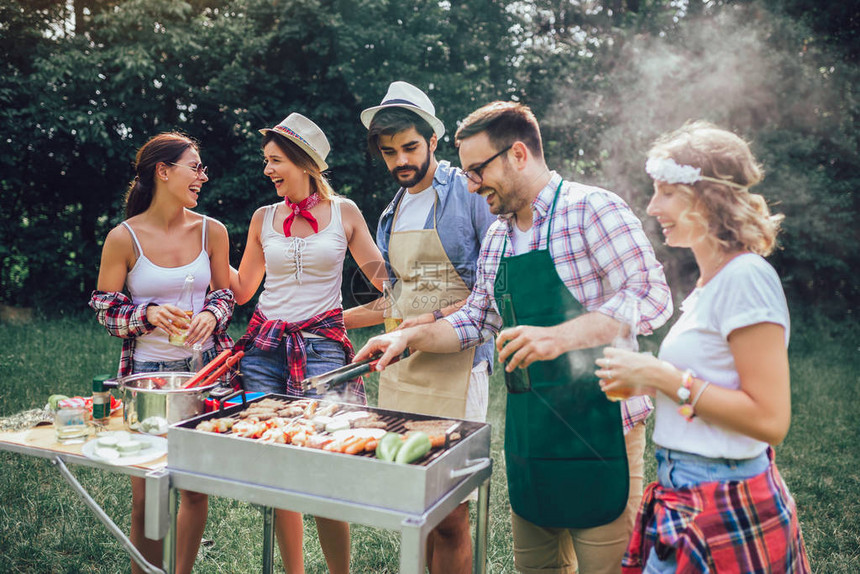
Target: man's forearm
[
  {"x": 590, "y": 330},
  {"x": 437, "y": 337}
]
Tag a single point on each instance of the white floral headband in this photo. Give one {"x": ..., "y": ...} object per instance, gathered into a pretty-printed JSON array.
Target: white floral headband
[{"x": 668, "y": 170}]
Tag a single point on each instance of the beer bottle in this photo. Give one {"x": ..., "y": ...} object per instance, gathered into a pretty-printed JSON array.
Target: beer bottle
[{"x": 184, "y": 302}]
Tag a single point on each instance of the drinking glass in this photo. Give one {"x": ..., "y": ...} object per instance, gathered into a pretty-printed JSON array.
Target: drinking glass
[
  {"x": 626, "y": 339},
  {"x": 71, "y": 425}
]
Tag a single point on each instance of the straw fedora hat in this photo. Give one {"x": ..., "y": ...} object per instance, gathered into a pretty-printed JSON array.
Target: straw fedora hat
[
  {"x": 405, "y": 95},
  {"x": 305, "y": 134}
]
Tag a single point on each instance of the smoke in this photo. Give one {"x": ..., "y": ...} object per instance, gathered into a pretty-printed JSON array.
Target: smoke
[{"x": 741, "y": 67}]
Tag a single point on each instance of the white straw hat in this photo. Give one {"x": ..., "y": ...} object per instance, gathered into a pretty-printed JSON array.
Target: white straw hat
[
  {"x": 404, "y": 95},
  {"x": 305, "y": 134}
]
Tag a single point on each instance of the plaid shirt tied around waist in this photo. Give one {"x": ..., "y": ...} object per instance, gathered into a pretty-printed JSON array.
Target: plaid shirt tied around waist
[
  {"x": 117, "y": 313},
  {"x": 745, "y": 526},
  {"x": 266, "y": 334}
]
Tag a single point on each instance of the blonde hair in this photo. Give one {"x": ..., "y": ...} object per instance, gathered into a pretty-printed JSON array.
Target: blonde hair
[
  {"x": 319, "y": 182},
  {"x": 734, "y": 217}
]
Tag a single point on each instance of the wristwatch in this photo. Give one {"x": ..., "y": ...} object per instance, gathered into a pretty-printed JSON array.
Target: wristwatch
[
  {"x": 683, "y": 391},
  {"x": 685, "y": 409},
  {"x": 437, "y": 314}
]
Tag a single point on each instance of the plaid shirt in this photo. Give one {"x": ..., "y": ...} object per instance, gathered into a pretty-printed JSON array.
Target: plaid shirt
[
  {"x": 122, "y": 318},
  {"x": 601, "y": 253},
  {"x": 745, "y": 526},
  {"x": 266, "y": 335}
]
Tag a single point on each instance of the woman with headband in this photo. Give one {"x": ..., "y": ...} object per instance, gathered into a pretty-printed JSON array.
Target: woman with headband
[{"x": 721, "y": 379}]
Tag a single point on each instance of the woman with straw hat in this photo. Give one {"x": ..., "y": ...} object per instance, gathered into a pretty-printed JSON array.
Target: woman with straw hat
[{"x": 297, "y": 330}]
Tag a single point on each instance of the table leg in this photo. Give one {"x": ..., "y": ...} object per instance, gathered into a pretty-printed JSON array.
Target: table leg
[
  {"x": 169, "y": 547},
  {"x": 105, "y": 519},
  {"x": 482, "y": 529},
  {"x": 268, "y": 539},
  {"x": 413, "y": 546}
]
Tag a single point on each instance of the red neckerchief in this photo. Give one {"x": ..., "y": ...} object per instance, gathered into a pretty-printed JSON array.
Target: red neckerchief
[{"x": 302, "y": 208}]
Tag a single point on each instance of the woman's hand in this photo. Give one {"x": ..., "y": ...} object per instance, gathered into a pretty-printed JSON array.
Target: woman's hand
[
  {"x": 627, "y": 372},
  {"x": 202, "y": 326},
  {"x": 169, "y": 318}
]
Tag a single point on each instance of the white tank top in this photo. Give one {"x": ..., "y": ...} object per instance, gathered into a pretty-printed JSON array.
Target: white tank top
[
  {"x": 151, "y": 283},
  {"x": 303, "y": 274}
]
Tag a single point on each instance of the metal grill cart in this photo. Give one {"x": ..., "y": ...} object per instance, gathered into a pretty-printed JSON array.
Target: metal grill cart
[{"x": 361, "y": 489}]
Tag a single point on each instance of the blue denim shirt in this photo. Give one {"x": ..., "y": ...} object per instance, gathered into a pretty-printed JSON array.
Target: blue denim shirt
[{"x": 462, "y": 220}]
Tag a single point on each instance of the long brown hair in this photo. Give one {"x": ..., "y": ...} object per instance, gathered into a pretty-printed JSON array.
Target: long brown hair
[{"x": 166, "y": 147}]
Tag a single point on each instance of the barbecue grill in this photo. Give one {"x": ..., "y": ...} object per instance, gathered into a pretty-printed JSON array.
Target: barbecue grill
[{"x": 411, "y": 498}]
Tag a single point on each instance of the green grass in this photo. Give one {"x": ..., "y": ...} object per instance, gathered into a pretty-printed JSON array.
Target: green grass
[{"x": 44, "y": 527}]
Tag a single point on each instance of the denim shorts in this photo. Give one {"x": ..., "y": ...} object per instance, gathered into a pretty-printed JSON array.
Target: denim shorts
[
  {"x": 266, "y": 371},
  {"x": 676, "y": 469},
  {"x": 177, "y": 366}
]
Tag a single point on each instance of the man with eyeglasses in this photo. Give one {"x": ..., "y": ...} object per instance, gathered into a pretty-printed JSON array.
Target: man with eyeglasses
[
  {"x": 566, "y": 271},
  {"x": 429, "y": 235}
]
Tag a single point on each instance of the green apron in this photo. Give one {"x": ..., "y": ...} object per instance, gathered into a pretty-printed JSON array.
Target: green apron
[{"x": 564, "y": 441}]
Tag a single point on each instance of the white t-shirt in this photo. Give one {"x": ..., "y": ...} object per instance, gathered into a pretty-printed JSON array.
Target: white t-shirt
[
  {"x": 414, "y": 209},
  {"x": 521, "y": 239},
  {"x": 745, "y": 292}
]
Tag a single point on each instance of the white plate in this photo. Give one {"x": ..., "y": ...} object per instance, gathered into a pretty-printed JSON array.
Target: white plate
[{"x": 156, "y": 449}]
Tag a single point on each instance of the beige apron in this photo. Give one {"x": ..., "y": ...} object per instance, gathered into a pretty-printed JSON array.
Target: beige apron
[{"x": 426, "y": 383}]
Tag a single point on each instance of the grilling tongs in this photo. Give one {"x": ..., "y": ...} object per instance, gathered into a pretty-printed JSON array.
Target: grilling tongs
[{"x": 324, "y": 382}]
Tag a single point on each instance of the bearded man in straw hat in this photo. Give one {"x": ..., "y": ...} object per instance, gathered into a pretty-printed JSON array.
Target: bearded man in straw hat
[{"x": 429, "y": 235}]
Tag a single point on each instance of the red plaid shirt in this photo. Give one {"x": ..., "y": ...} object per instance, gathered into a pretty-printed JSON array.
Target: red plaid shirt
[
  {"x": 745, "y": 526},
  {"x": 266, "y": 335},
  {"x": 117, "y": 313}
]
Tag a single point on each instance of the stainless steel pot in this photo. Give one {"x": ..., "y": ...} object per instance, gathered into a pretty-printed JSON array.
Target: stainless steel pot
[{"x": 152, "y": 401}]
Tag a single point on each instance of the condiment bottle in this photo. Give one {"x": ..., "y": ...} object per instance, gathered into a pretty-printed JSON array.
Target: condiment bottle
[
  {"x": 101, "y": 400},
  {"x": 184, "y": 302},
  {"x": 391, "y": 315}
]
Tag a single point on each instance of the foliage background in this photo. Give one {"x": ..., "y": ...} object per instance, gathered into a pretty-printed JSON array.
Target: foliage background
[{"x": 83, "y": 83}]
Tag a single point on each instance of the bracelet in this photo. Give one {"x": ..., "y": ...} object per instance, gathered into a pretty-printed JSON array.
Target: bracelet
[
  {"x": 437, "y": 314},
  {"x": 683, "y": 392},
  {"x": 699, "y": 394}
]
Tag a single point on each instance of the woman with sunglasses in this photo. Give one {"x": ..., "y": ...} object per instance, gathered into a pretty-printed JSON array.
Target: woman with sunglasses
[
  {"x": 299, "y": 244},
  {"x": 721, "y": 380},
  {"x": 149, "y": 256}
]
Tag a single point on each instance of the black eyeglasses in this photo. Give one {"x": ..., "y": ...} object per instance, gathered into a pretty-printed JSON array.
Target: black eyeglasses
[
  {"x": 199, "y": 168},
  {"x": 475, "y": 174}
]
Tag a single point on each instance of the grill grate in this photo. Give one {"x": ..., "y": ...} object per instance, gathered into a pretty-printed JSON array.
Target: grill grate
[{"x": 395, "y": 421}]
